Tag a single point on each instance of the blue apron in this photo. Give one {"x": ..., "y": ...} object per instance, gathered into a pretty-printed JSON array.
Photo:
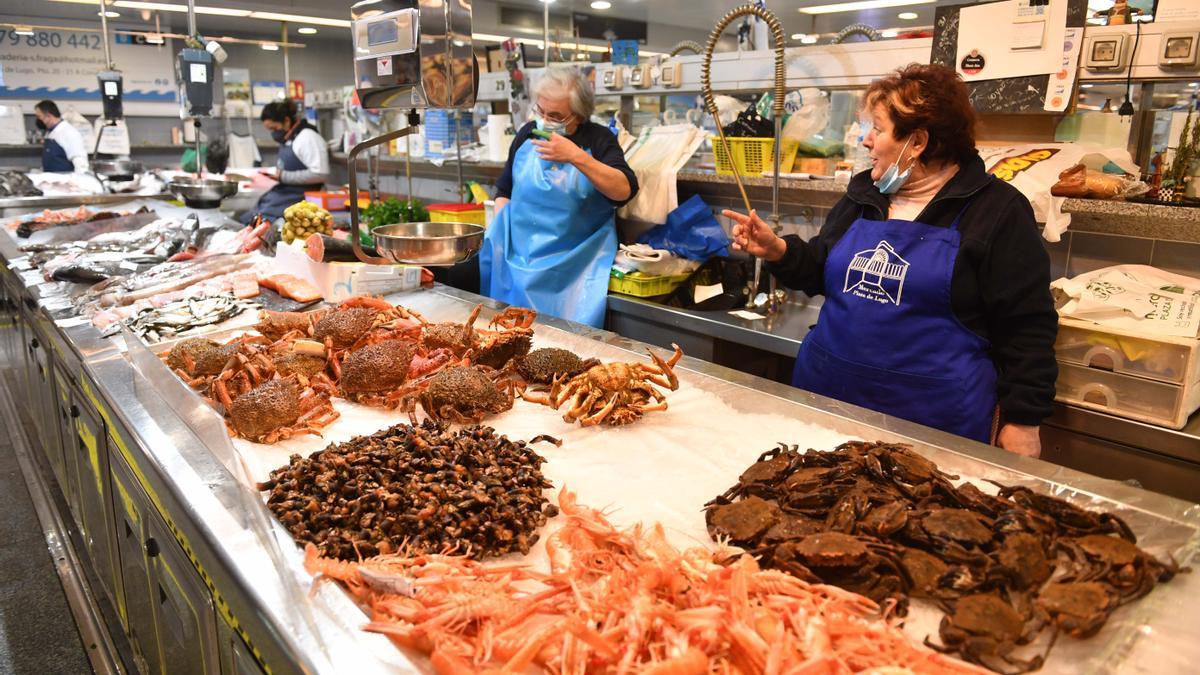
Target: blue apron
[
  {"x": 273, "y": 203},
  {"x": 887, "y": 337},
  {"x": 553, "y": 246},
  {"x": 54, "y": 158}
]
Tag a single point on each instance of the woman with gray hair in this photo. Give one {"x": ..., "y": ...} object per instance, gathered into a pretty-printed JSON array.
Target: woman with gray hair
[{"x": 554, "y": 237}]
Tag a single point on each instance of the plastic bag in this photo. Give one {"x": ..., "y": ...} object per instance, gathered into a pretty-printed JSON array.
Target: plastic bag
[
  {"x": 1133, "y": 297},
  {"x": 691, "y": 231}
]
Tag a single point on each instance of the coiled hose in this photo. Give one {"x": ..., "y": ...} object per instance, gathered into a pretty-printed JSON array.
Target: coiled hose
[
  {"x": 776, "y": 106},
  {"x": 689, "y": 45}
]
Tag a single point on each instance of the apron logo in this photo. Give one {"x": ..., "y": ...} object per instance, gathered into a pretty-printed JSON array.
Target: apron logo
[
  {"x": 1009, "y": 167},
  {"x": 877, "y": 274}
]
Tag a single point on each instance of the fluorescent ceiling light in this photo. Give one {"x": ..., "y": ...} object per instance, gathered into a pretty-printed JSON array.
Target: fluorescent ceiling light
[
  {"x": 1193, "y": 85},
  {"x": 797, "y": 36},
  {"x": 270, "y": 47},
  {"x": 863, "y": 4},
  {"x": 307, "y": 30},
  {"x": 22, "y": 30},
  {"x": 808, "y": 40},
  {"x": 548, "y": 2},
  {"x": 296, "y": 18},
  {"x": 155, "y": 40},
  {"x": 601, "y": 4},
  {"x": 1086, "y": 86},
  {"x": 907, "y": 16},
  {"x": 111, "y": 15},
  {"x": 220, "y": 11},
  {"x": 168, "y": 7},
  {"x": 888, "y": 34}
]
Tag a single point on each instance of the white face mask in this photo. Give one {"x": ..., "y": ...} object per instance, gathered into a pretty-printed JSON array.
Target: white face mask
[
  {"x": 551, "y": 127},
  {"x": 893, "y": 179}
]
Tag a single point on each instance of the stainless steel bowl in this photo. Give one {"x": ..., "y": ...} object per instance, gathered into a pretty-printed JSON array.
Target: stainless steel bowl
[
  {"x": 116, "y": 169},
  {"x": 428, "y": 243},
  {"x": 202, "y": 193}
]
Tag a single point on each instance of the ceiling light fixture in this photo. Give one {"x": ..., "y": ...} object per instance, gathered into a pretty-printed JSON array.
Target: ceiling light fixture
[
  {"x": 23, "y": 30},
  {"x": 907, "y": 16},
  {"x": 889, "y": 34},
  {"x": 268, "y": 47},
  {"x": 1086, "y": 86},
  {"x": 220, "y": 11},
  {"x": 797, "y": 36},
  {"x": 808, "y": 40},
  {"x": 111, "y": 15},
  {"x": 863, "y": 4},
  {"x": 601, "y": 4},
  {"x": 307, "y": 30},
  {"x": 168, "y": 7}
]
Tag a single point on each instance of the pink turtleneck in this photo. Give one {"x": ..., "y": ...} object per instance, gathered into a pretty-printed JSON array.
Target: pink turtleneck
[{"x": 917, "y": 192}]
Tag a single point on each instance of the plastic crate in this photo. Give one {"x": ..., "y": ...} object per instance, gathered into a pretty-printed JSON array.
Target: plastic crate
[
  {"x": 643, "y": 285},
  {"x": 458, "y": 213},
  {"x": 752, "y": 156},
  {"x": 332, "y": 201}
]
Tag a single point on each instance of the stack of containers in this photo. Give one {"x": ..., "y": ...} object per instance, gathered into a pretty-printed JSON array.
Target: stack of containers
[{"x": 439, "y": 132}]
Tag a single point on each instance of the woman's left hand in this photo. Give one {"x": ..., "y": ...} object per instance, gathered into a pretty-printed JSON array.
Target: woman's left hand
[
  {"x": 1021, "y": 439},
  {"x": 559, "y": 149}
]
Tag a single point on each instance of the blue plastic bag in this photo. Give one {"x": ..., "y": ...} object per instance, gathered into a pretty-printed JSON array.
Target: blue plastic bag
[{"x": 691, "y": 232}]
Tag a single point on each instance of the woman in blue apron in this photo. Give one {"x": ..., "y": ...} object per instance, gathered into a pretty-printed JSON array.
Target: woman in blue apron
[
  {"x": 303, "y": 164},
  {"x": 554, "y": 238},
  {"x": 937, "y": 300}
]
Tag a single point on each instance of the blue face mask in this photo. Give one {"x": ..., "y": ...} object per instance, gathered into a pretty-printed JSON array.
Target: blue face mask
[{"x": 892, "y": 179}]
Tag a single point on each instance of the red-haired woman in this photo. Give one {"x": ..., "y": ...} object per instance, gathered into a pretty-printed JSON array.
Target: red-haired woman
[{"x": 937, "y": 287}]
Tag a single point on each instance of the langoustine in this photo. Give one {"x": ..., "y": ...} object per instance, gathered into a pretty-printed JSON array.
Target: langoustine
[{"x": 623, "y": 601}]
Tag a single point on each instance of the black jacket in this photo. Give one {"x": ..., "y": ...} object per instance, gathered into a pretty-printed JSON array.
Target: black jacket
[{"x": 1001, "y": 283}]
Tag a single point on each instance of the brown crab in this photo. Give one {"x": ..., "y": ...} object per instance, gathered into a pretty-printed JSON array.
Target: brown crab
[
  {"x": 1078, "y": 608},
  {"x": 1023, "y": 557},
  {"x": 1132, "y": 571},
  {"x": 862, "y": 565},
  {"x": 279, "y": 409},
  {"x": 984, "y": 630},
  {"x": 613, "y": 393},
  {"x": 376, "y": 374},
  {"x": 926, "y": 570},
  {"x": 959, "y": 526},
  {"x": 463, "y": 394},
  {"x": 1068, "y": 517},
  {"x": 742, "y": 522}
]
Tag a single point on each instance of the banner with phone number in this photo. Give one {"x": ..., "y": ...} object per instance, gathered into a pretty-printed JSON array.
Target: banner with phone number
[{"x": 62, "y": 65}]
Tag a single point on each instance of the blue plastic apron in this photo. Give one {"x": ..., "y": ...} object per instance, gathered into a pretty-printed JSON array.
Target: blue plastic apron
[
  {"x": 54, "y": 158},
  {"x": 273, "y": 203},
  {"x": 887, "y": 337},
  {"x": 553, "y": 246}
]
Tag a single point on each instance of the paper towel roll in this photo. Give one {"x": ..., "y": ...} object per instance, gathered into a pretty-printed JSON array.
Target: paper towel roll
[{"x": 498, "y": 137}]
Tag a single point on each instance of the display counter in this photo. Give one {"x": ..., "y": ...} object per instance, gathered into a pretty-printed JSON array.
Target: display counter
[{"x": 204, "y": 580}]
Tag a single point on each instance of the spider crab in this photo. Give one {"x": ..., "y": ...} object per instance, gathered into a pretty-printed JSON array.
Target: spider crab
[
  {"x": 509, "y": 336},
  {"x": 459, "y": 393},
  {"x": 376, "y": 374},
  {"x": 279, "y": 409},
  {"x": 613, "y": 393},
  {"x": 361, "y": 320}
]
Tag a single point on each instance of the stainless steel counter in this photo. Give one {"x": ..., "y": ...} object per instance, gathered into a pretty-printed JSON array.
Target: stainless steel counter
[{"x": 230, "y": 588}]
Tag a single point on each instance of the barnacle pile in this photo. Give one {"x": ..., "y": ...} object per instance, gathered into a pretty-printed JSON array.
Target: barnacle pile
[{"x": 422, "y": 488}]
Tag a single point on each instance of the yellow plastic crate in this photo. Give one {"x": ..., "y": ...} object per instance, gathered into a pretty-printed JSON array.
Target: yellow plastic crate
[
  {"x": 643, "y": 285},
  {"x": 458, "y": 213},
  {"x": 753, "y": 156}
]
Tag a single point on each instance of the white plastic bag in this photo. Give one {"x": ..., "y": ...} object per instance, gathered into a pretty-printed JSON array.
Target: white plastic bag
[
  {"x": 656, "y": 159},
  {"x": 1033, "y": 169},
  {"x": 1136, "y": 298}
]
